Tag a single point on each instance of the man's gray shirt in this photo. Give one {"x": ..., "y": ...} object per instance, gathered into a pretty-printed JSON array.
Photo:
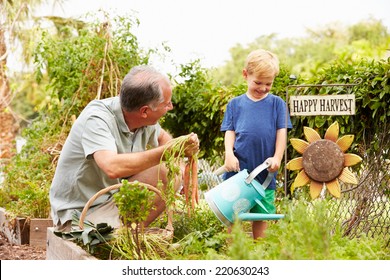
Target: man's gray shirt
[{"x": 101, "y": 126}]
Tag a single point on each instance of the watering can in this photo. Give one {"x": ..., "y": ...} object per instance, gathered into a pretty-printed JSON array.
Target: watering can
[{"x": 236, "y": 196}]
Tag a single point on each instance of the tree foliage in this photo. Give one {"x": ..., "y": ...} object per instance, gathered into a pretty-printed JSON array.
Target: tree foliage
[
  {"x": 199, "y": 106},
  {"x": 200, "y": 103},
  {"x": 306, "y": 56}
]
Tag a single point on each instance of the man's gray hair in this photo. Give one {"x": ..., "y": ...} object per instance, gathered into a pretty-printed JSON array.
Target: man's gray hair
[{"x": 140, "y": 87}]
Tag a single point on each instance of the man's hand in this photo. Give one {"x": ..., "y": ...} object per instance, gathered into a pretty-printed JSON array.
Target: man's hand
[{"x": 192, "y": 145}]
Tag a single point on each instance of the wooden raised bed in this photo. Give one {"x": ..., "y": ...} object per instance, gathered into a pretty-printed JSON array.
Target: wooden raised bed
[
  {"x": 61, "y": 249},
  {"x": 17, "y": 230},
  {"x": 21, "y": 231}
]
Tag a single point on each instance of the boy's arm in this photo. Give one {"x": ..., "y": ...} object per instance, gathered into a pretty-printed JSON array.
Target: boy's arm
[
  {"x": 231, "y": 162},
  {"x": 280, "y": 146}
]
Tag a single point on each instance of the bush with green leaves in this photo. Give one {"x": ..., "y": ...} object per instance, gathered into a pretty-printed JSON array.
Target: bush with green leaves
[
  {"x": 307, "y": 232},
  {"x": 200, "y": 102},
  {"x": 25, "y": 191},
  {"x": 199, "y": 106},
  {"x": 372, "y": 94},
  {"x": 75, "y": 65}
]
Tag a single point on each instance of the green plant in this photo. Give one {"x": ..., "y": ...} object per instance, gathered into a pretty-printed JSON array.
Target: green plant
[
  {"x": 241, "y": 246},
  {"x": 201, "y": 236},
  {"x": 308, "y": 232},
  {"x": 198, "y": 107},
  {"x": 93, "y": 238},
  {"x": 134, "y": 201},
  {"x": 172, "y": 159},
  {"x": 145, "y": 246},
  {"x": 73, "y": 67},
  {"x": 27, "y": 182}
]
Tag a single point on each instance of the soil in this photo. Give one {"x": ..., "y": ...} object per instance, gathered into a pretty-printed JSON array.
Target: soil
[{"x": 10, "y": 251}]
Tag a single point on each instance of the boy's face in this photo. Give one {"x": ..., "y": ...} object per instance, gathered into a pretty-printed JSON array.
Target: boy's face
[{"x": 258, "y": 85}]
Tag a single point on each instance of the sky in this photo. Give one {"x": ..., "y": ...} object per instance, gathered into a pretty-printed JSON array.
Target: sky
[{"x": 207, "y": 29}]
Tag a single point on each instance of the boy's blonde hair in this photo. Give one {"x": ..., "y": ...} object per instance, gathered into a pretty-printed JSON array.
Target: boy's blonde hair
[{"x": 262, "y": 63}]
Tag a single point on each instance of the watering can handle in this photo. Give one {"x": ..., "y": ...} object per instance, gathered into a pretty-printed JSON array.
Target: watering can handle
[
  {"x": 253, "y": 174},
  {"x": 256, "y": 172},
  {"x": 220, "y": 171}
]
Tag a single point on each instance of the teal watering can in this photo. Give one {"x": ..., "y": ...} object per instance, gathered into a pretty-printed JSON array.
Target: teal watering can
[{"x": 236, "y": 196}]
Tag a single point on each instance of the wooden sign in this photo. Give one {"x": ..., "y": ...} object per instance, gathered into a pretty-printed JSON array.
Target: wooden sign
[{"x": 322, "y": 105}]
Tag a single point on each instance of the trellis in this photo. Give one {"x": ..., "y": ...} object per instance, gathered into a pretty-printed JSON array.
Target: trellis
[{"x": 365, "y": 208}]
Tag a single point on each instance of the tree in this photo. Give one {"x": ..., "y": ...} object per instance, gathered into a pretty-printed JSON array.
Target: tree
[{"x": 306, "y": 56}]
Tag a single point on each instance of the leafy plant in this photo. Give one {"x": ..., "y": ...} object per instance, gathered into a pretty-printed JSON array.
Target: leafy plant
[
  {"x": 80, "y": 63},
  {"x": 308, "y": 233},
  {"x": 26, "y": 190},
  {"x": 200, "y": 236},
  {"x": 134, "y": 201},
  {"x": 147, "y": 246},
  {"x": 93, "y": 237},
  {"x": 203, "y": 219}
]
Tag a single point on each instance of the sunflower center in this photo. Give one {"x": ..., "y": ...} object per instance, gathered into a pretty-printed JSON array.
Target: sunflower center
[{"x": 323, "y": 160}]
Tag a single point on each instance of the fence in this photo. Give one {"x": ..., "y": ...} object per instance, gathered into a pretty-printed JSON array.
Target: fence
[{"x": 365, "y": 209}]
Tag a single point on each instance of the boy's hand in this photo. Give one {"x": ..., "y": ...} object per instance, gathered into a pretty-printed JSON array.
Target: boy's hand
[
  {"x": 274, "y": 164},
  {"x": 232, "y": 164}
]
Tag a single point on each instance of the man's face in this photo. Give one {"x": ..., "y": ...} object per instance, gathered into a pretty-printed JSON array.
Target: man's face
[{"x": 162, "y": 108}]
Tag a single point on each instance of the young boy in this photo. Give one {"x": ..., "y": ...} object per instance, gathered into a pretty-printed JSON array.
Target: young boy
[{"x": 255, "y": 128}]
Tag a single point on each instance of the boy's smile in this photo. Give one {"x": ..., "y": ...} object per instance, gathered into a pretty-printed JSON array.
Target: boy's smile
[{"x": 258, "y": 86}]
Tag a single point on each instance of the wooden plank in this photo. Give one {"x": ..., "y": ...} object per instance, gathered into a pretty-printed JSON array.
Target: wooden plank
[
  {"x": 38, "y": 232},
  {"x": 61, "y": 249},
  {"x": 17, "y": 230}
]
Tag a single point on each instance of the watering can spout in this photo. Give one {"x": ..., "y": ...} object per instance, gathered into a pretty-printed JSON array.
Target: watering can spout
[{"x": 259, "y": 216}]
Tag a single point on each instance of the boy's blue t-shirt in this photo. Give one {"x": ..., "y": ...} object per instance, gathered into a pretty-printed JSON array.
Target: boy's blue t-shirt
[{"x": 255, "y": 124}]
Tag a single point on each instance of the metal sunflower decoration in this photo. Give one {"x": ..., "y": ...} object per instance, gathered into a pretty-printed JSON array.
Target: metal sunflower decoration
[{"x": 323, "y": 161}]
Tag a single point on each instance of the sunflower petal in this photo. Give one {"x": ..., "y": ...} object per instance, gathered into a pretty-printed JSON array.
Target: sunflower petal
[
  {"x": 334, "y": 188},
  {"x": 299, "y": 145},
  {"x": 292, "y": 188},
  {"x": 345, "y": 142},
  {"x": 351, "y": 159},
  {"x": 332, "y": 133},
  {"x": 348, "y": 177},
  {"x": 301, "y": 179},
  {"x": 310, "y": 134},
  {"x": 295, "y": 164},
  {"x": 315, "y": 189}
]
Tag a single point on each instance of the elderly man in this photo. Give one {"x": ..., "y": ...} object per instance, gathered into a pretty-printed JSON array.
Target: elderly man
[{"x": 113, "y": 139}]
